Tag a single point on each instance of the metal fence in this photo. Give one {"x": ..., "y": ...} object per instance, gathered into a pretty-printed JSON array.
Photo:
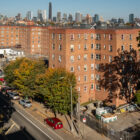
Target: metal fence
[{"x": 103, "y": 128}]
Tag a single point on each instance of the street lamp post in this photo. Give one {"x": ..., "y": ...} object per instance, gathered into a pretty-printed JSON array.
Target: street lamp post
[{"x": 71, "y": 110}]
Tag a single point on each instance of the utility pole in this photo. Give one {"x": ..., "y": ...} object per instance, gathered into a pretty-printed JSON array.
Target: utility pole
[
  {"x": 79, "y": 113},
  {"x": 71, "y": 110}
]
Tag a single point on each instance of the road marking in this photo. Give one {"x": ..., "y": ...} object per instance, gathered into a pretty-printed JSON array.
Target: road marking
[
  {"x": 9, "y": 129},
  {"x": 36, "y": 120},
  {"x": 42, "y": 124},
  {"x": 34, "y": 124},
  {"x": 15, "y": 124}
]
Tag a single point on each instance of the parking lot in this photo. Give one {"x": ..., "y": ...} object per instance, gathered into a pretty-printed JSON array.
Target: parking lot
[{"x": 125, "y": 121}]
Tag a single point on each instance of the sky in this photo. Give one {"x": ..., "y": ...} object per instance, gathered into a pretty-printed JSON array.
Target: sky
[{"x": 106, "y": 8}]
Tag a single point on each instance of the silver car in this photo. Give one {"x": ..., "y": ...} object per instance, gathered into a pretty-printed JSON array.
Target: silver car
[
  {"x": 13, "y": 95},
  {"x": 25, "y": 103}
]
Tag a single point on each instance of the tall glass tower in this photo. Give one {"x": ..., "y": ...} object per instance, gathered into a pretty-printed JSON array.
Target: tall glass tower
[{"x": 50, "y": 11}]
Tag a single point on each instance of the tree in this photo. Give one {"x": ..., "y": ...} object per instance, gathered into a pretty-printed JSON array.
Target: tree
[
  {"x": 9, "y": 71},
  {"x": 55, "y": 87},
  {"x": 138, "y": 39},
  {"x": 25, "y": 74},
  {"x": 138, "y": 97},
  {"x": 121, "y": 75}
]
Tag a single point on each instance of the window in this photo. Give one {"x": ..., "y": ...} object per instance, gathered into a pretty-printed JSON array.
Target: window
[
  {"x": 110, "y": 36},
  {"x": 92, "y": 66},
  {"x": 104, "y": 36},
  {"x": 53, "y": 56},
  {"x": 85, "y": 67},
  {"x": 98, "y": 57},
  {"x": 79, "y": 46},
  {"x": 60, "y": 47},
  {"x": 110, "y": 48},
  {"x": 98, "y": 46},
  {"x": 78, "y": 88},
  {"x": 53, "y": 46},
  {"x": 85, "y": 89},
  {"x": 59, "y": 58},
  {"x": 72, "y": 48},
  {"x": 72, "y": 58},
  {"x": 92, "y": 86},
  {"x": 92, "y": 36},
  {"x": 85, "y": 47},
  {"x": 92, "y": 56},
  {"x": 130, "y": 47},
  {"x": 85, "y": 36},
  {"x": 60, "y": 36},
  {"x": 85, "y": 56},
  {"x": 78, "y": 35},
  {"x": 78, "y": 68},
  {"x": 98, "y": 88},
  {"x": 72, "y": 37},
  {"x": 97, "y": 77},
  {"x": 32, "y": 46},
  {"x": 79, "y": 57},
  {"x": 130, "y": 37},
  {"x": 92, "y": 46},
  {"x": 122, "y": 37},
  {"x": 110, "y": 59},
  {"x": 104, "y": 47},
  {"x": 72, "y": 69},
  {"x": 79, "y": 78},
  {"x": 38, "y": 46},
  {"x": 122, "y": 48},
  {"x": 92, "y": 76},
  {"x": 85, "y": 78},
  {"x": 97, "y": 67},
  {"x": 98, "y": 37},
  {"x": 104, "y": 56}
]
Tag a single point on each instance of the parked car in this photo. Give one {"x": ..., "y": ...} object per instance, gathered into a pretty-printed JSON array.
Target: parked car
[
  {"x": 5, "y": 90},
  {"x": 25, "y": 103},
  {"x": 13, "y": 95},
  {"x": 55, "y": 123}
]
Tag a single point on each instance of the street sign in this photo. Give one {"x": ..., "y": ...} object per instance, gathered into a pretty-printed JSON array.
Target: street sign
[{"x": 84, "y": 120}]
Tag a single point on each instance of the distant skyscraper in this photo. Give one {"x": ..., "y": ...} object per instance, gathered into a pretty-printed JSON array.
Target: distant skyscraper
[
  {"x": 70, "y": 18},
  {"x": 50, "y": 11},
  {"x": 121, "y": 20},
  {"x": 54, "y": 19},
  {"x": 78, "y": 17},
  {"x": 39, "y": 15},
  {"x": 18, "y": 17},
  {"x": 29, "y": 15},
  {"x": 131, "y": 18},
  {"x": 64, "y": 17},
  {"x": 88, "y": 19},
  {"x": 58, "y": 18},
  {"x": 44, "y": 15},
  {"x": 96, "y": 18}
]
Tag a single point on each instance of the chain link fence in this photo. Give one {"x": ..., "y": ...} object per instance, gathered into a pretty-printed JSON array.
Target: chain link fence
[{"x": 104, "y": 129}]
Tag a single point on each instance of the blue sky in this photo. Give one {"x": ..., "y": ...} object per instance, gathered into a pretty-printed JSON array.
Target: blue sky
[{"x": 105, "y": 8}]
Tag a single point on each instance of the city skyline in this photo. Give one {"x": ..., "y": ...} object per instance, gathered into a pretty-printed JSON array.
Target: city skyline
[{"x": 109, "y": 9}]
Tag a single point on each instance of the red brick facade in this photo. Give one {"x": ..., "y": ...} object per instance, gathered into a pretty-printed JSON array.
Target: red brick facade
[{"x": 77, "y": 50}]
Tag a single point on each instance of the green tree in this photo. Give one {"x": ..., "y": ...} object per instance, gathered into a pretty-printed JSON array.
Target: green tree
[
  {"x": 9, "y": 71},
  {"x": 55, "y": 87},
  {"x": 24, "y": 75},
  {"x": 138, "y": 39},
  {"x": 121, "y": 76},
  {"x": 138, "y": 97}
]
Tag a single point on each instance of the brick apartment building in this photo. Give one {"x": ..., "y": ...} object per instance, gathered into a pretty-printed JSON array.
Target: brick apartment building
[{"x": 77, "y": 50}]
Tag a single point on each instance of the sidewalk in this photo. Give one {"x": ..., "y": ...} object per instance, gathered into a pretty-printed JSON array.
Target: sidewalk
[{"x": 40, "y": 112}]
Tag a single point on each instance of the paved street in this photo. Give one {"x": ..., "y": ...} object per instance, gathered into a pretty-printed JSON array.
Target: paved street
[{"x": 32, "y": 120}]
